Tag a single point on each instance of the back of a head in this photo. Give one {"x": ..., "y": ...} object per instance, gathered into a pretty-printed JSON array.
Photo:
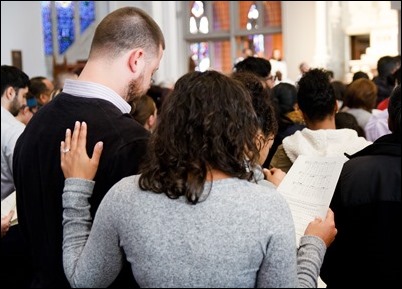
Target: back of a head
[
  {"x": 315, "y": 95},
  {"x": 386, "y": 65},
  {"x": 256, "y": 65},
  {"x": 284, "y": 95},
  {"x": 261, "y": 102},
  {"x": 394, "y": 111},
  {"x": 207, "y": 122},
  {"x": 339, "y": 90},
  {"x": 361, "y": 93},
  {"x": 38, "y": 87},
  {"x": 143, "y": 108},
  {"x": 396, "y": 77},
  {"x": 12, "y": 76},
  {"x": 124, "y": 29},
  {"x": 347, "y": 120},
  {"x": 360, "y": 74}
]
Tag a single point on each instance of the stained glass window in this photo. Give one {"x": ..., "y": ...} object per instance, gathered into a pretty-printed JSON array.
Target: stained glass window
[
  {"x": 87, "y": 14},
  {"x": 220, "y": 15},
  {"x": 272, "y": 13},
  {"x": 231, "y": 31},
  {"x": 252, "y": 16},
  {"x": 198, "y": 21},
  {"x": 65, "y": 24},
  {"x": 200, "y": 55},
  {"x": 47, "y": 27}
]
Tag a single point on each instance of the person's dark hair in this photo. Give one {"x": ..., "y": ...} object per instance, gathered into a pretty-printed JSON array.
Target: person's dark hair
[
  {"x": 124, "y": 29},
  {"x": 158, "y": 94},
  {"x": 207, "y": 122},
  {"x": 261, "y": 102},
  {"x": 284, "y": 98},
  {"x": 143, "y": 108},
  {"x": 37, "y": 86},
  {"x": 395, "y": 78},
  {"x": 394, "y": 110},
  {"x": 339, "y": 90},
  {"x": 316, "y": 96},
  {"x": 256, "y": 65},
  {"x": 347, "y": 120},
  {"x": 386, "y": 66},
  {"x": 14, "y": 77},
  {"x": 360, "y": 74}
]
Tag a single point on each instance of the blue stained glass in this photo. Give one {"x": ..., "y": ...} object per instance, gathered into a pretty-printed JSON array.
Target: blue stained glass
[
  {"x": 65, "y": 27},
  {"x": 47, "y": 27},
  {"x": 87, "y": 14},
  {"x": 200, "y": 55}
]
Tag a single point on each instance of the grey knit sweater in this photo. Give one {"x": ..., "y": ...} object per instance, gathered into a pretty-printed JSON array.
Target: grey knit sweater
[{"x": 241, "y": 235}]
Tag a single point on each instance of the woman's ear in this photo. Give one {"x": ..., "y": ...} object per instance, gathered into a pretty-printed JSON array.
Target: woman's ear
[
  {"x": 152, "y": 121},
  {"x": 260, "y": 141}
]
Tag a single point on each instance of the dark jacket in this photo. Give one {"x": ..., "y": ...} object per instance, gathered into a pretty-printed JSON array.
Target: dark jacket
[
  {"x": 39, "y": 179},
  {"x": 367, "y": 207}
]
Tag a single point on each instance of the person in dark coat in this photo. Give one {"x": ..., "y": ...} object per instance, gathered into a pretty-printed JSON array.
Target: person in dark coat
[
  {"x": 367, "y": 207},
  {"x": 126, "y": 51}
]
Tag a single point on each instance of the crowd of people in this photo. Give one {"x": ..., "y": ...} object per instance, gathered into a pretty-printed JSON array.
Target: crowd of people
[{"x": 118, "y": 184}]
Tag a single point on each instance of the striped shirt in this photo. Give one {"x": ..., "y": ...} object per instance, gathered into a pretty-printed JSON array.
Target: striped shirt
[{"x": 95, "y": 90}]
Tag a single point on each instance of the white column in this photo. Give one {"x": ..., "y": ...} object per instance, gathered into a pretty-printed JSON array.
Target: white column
[
  {"x": 299, "y": 35},
  {"x": 321, "y": 49},
  {"x": 172, "y": 66}
]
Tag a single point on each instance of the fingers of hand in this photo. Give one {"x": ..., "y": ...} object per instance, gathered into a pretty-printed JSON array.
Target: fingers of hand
[
  {"x": 82, "y": 137},
  {"x": 97, "y": 153},
  {"x": 76, "y": 133}
]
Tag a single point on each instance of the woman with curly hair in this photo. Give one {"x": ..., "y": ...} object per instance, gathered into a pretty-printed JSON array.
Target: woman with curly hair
[{"x": 193, "y": 218}]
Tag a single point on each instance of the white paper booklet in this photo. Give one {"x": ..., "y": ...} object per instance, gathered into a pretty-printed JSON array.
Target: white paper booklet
[
  {"x": 9, "y": 204},
  {"x": 308, "y": 188}
]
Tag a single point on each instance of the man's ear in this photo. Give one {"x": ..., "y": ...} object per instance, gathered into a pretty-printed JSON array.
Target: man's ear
[
  {"x": 135, "y": 59},
  {"x": 44, "y": 98},
  {"x": 10, "y": 93}
]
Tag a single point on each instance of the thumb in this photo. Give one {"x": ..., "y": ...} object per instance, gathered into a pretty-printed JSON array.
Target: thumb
[
  {"x": 97, "y": 153},
  {"x": 330, "y": 215},
  {"x": 317, "y": 220},
  {"x": 266, "y": 172},
  {"x": 9, "y": 216}
]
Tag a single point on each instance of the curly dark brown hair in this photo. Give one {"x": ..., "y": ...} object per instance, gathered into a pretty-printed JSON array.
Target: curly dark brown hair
[
  {"x": 207, "y": 122},
  {"x": 262, "y": 103}
]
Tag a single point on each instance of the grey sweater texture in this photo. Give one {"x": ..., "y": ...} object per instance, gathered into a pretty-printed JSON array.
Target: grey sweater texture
[{"x": 240, "y": 235}]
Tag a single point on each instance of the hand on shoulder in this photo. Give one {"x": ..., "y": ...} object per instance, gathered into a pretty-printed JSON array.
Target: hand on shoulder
[{"x": 75, "y": 161}]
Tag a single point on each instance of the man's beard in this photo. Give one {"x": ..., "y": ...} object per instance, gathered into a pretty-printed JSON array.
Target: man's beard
[
  {"x": 15, "y": 106},
  {"x": 135, "y": 89}
]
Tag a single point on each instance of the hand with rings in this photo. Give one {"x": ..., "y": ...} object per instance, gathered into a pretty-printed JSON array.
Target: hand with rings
[
  {"x": 75, "y": 161},
  {"x": 65, "y": 150}
]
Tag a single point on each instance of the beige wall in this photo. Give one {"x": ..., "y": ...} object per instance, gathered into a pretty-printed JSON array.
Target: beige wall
[{"x": 299, "y": 34}]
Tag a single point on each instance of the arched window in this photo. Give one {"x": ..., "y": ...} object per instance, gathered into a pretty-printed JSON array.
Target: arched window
[
  {"x": 65, "y": 24},
  {"x": 47, "y": 26},
  {"x": 67, "y": 17},
  {"x": 231, "y": 27}
]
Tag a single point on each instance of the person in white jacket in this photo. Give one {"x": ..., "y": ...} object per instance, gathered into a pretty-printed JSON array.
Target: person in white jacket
[{"x": 316, "y": 100}]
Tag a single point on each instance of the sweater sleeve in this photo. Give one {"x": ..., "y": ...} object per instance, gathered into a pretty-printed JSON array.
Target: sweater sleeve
[
  {"x": 309, "y": 260},
  {"x": 91, "y": 256},
  {"x": 285, "y": 266}
]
